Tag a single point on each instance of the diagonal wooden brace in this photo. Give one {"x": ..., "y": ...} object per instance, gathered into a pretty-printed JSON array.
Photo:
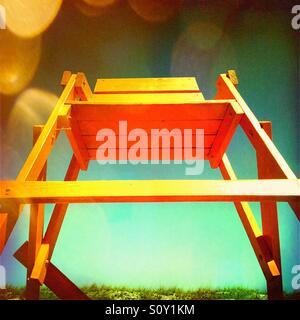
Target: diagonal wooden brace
[
  {"x": 258, "y": 241},
  {"x": 257, "y": 136},
  {"x": 59, "y": 211},
  {"x": 55, "y": 280}
]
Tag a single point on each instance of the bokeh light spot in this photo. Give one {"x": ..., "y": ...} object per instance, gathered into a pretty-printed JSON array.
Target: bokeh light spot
[
  {"x": 32, "y": 107},
  {"x": 31, "y": 17},
  {"x": 99, "y": 3},
  {"x": 19, "y": 59},
  {"x": 197, "y": 51},
  {"x": 155, "y": 11},
  {"x": 94, "y": 8}
]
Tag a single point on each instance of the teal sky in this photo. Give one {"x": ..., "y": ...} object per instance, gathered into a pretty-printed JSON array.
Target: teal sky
[{"x": 187, "y": 245}]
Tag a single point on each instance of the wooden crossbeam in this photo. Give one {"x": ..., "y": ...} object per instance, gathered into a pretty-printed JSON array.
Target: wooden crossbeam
[
  {"x": 154, "y": 154},
  {"x": 139, "y": 99},
  {"x": 91, "y": 128},
  {"x": 55, "y": 280},
  {"x": 92, "y": 143},
  {"x": 161, "y": 110},
  {"x": 150, "y": 191}
]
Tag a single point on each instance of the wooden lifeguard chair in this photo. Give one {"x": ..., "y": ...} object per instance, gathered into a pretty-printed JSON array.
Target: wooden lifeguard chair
[{"x": 145, "y": 103}]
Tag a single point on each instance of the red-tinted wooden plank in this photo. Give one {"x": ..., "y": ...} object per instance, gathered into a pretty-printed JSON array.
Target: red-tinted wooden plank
[
  {"x": 146, "y": 112},
  {"x": 92, "y": 127},
  {"x": 158, "y": 155},
  {"x": 92, "y": 143}
]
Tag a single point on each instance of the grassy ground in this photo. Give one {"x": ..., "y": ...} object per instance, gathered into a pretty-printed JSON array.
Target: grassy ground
[{"x": 114, "y": 293}]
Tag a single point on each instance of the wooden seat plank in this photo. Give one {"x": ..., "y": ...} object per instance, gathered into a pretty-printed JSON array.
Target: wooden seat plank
[{"x": 146, "y": 85}]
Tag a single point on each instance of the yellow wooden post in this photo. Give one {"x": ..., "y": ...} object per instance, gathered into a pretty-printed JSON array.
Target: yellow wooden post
[
  {"x": 269, "y": 217},
  {"x": 36, "y": 225}
]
